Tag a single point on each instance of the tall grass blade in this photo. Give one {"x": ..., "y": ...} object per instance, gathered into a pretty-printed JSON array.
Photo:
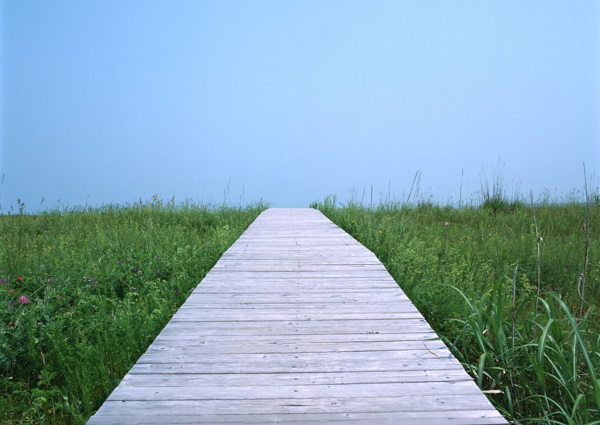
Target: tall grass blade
[{"x": 590, "y": 361}]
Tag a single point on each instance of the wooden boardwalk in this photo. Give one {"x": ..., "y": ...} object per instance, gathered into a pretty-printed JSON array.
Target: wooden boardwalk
[{"x": 297, "y": 323}]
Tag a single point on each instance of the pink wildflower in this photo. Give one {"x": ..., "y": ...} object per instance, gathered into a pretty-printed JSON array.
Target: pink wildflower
[{"x": 23, "y": 299}]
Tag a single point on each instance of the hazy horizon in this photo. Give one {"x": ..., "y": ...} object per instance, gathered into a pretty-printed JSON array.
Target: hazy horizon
[
  {"x": 290, "y": 102},
  {"x": 413, "y": 194}
]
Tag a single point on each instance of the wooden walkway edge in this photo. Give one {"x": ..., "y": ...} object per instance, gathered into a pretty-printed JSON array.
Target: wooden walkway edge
[{"x": 297, "y": 323}]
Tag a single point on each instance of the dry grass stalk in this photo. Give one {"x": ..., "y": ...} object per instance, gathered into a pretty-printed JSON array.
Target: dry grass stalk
[
  {"x": 537, "y": 237},
  {"x": 514, "y": 296},
  {"x": 587, "y": 246}
]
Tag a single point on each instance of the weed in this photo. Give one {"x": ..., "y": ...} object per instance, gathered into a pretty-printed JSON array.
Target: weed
[{"x": 84, "y": 291}]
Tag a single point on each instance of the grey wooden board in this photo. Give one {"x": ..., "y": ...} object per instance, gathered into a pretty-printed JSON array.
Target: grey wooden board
[
  {"x": 304, "y": 308},
  {"x": 203, "y": 347},
  {"x": 297, "y": 323},
  {"x": 330, "y": 404},
  {"x": 288, "y": 366},
  {"x": 265, "y": 340},
  {"x": 189, "y": 315},
  {"x": 307, "y": 327},
  {"x": 241, "y": 392},
  {"x": 331, "y": 378},
  {"x": 453, "y": 418},
  {"x": 354, "y": 359}
]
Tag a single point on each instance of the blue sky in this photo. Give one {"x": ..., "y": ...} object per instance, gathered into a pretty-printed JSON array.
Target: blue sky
[{"x": 110, "y": 102}]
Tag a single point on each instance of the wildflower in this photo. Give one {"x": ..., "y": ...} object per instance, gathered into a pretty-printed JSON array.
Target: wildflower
[
  {"x": 446, "y": 223},
  {"x": 380, "y": 231},
  {"x": 12, "y": 303},
  {"x": 3, "y": 280},
  {"x": 11, "y": 291},
  {"x": 50, "y": 280},
  {"x": 20, "y": 277},
  {"x": 23, "y": 299},
  {"x": 121, "y": 261},
  {"x": 176, "y": 292},
  {"x": 133, "y": 288}
]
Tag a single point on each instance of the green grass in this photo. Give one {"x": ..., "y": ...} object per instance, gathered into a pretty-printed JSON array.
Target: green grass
[
  {"x": 84, "y": 292},
  {"x": 458, "y": 268}
]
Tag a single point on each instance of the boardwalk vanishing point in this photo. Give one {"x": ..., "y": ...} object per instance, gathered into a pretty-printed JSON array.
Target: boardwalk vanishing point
[{"x": 297, "y": 323}]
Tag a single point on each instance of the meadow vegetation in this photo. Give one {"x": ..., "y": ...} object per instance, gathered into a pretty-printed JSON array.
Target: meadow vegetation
[
  {"x": 84, "y": 291},
  {"x": 473, "y": 272}
]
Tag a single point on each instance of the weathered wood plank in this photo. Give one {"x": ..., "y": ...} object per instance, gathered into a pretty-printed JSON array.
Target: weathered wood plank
[
  {"x": 435, "y": 406},
  {"x": 288, "y": 366},
  {"x": 313, "y": 310},
  {"x": 240, "y": 315},
  {"x": 307, "y": 378},
  {"x": 307, "y": 327},
  {"x": 247, "y": 347},
  {"x": 253, "y": 390},
  {"x": 297, "y": 323},
  {"x": 453, "y": 418},
  {"x": 261, "y": 340},
  {"x": 282, "y": 299}
]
